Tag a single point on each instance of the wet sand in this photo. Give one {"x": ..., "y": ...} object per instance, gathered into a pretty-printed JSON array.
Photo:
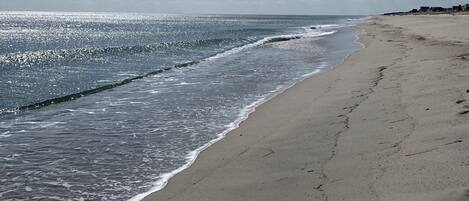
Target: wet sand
[{"x": 390, "y": 123}]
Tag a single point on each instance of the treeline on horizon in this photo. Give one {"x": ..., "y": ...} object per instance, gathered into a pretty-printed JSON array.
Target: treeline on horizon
[{"x": 433, "y": 10}]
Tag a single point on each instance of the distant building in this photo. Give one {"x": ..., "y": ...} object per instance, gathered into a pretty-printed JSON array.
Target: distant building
[
  {"x": 424, "y": 8},
  {"x": 438, "y": 9},
  {"x": 457, "y": 8},
  {"x": 414, "y": 11},
  {"x": 465, "y": 7}
]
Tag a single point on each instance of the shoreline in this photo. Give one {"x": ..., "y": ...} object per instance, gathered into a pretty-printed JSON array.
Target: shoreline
[
  {"x": 243, "y": 116},
  {"x": 389, "y": 123},
  {"x": 249, "y": 111}
]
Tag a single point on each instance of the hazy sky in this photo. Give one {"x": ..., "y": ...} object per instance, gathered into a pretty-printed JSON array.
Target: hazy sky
[{"x": 311, "y": 7}]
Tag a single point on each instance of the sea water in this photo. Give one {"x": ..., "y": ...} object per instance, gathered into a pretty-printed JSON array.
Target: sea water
[{"x": 107, "y": 106}]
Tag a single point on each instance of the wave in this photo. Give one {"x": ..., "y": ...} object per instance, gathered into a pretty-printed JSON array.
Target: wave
[
  {"x": 74, "y": 96},
  {"x": 87, "y": 92},
  {"x": 272, "y": 39}
]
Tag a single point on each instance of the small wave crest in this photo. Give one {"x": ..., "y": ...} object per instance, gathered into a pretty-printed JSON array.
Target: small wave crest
[
  {"x": 85, "y": 53},
  {"x": 271, "y": 39}
]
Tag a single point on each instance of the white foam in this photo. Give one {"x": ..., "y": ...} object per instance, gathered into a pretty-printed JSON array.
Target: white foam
[
  {"x": 28, "y": 189},
  {"x": 88, "y": 111},
  {"x": 309, "y": 33},
  {"x": 312, "y": 73},
  {"x": 322, "y": 27},
  {"x": 329, "y": 26},
  {"x": 49, "y": 124},
  {"x": 5, "y": 134},
  {"x": 42, "y": 124},
  {"x": 47, "y": 198},
  {"x": 186, "y": 83}
]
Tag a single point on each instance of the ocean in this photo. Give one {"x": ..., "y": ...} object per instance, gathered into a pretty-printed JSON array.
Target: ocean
[{"x": 109, "y": 106}]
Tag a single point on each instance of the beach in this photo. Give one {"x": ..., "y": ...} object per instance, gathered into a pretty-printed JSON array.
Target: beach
[{"x": 390, "y": 123}]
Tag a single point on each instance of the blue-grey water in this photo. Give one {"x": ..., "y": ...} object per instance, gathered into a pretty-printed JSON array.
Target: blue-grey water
[{"x": 102, "y": 106}]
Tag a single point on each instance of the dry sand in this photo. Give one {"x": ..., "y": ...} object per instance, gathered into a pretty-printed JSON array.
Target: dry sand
[{"x": 391, "y": 123}]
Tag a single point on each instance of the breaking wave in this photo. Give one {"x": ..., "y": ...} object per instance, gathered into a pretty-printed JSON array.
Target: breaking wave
[{"x": 49, "y": 56}]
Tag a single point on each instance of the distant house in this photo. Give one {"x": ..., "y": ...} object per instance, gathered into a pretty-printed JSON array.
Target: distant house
[
  {"x": 424, "y": 8},
  {"x": 457, "y": 8},
  {"x": 465, "y": 7},
  {"x": 437, "y": 9},
  {"x": 414, "y": 11}
]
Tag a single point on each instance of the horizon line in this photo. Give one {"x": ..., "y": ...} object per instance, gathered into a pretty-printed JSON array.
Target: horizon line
[{"x": 182, "y": 13}]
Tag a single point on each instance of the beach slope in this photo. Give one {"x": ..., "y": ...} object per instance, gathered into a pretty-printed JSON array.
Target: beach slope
[{"x": 390, "y": 123}]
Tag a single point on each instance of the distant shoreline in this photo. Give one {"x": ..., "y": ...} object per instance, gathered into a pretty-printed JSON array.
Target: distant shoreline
[
  {"x": 427, "y": 10},
  {"x": 427, "y": 13}
]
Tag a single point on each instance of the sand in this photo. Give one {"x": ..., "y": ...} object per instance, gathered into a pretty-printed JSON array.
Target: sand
[{"x": 390, "y": 123}]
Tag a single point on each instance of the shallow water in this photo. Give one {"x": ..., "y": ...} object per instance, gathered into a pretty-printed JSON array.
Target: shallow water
[{"x": 101, "y": 106}]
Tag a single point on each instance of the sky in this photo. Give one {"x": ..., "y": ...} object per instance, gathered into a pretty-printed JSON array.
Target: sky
[{"x": 289, "y": 7}]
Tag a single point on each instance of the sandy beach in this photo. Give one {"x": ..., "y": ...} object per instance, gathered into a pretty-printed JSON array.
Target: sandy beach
[{"x": 390, "y": 123}]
